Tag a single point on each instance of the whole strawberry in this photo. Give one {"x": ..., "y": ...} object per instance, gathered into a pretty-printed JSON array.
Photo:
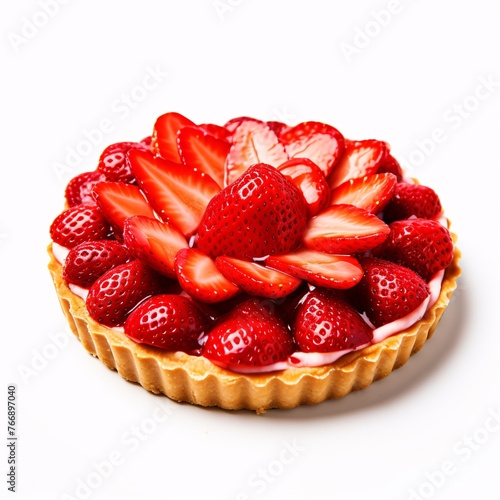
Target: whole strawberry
[
  {"x": 79, "y": 189},
  {"x": 91, "y": 259},
  {"x": 114, "y": 164},
  {"x": 78, "y": 224},
  {"x": 412, "y": 200},
  {"x": 119, "y": 290},
  {"x": 326, "y": 323},
  {"x": 388, "y": 291},
  {"x": 252, "y": 334},
  {"x": 259, "y": 214},
  {"x": 423, "y": 245},
  {"x": 172, "y": 322}
]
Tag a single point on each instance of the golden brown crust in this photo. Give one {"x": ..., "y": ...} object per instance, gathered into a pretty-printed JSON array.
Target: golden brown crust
[{"x": 196, "y": 380}]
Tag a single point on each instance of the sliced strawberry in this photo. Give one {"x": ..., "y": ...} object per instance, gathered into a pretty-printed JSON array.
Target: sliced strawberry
[
  {"x": 147, "y": 141},
  {"x": 253, "y": 142},
  {"x": 78, "y": 224},
  {"x": 119, "y": 290},
  {"x": 113, "y": 161},
  {"x": 164, "y": 137},
  {"x": 251, "y": 335},
  {"x": 256, "y": 279},
  {"x": 200, "y": 278},
  {"x": 279, "y": 128},
  {"x": 391, "y": 165},
  {"x": 261, "y": 213},
  {"x": 321, "y": 143},
  {"x": 119, "y": 201},
  {"x": 91, "y": 259},
  {"x": 423, "y": 245},
  {"x": 203, "y": 152},
  {"x": 171, "y": 322},
  {"x": 232, "y": 124},
  {"x": 309, "y": 178},
  {"x": 79, "y": 189},
  {"x": 325, "y": 323},
  {"x": 388, "y": 291},
  {"x": 155, "y": 243},
  {"x": 178, "y": 193},
  {"x": 412, "y": 200},
  {"x": 345, "y": 229},
  {"x": 360, "y": 158},
  {"x": 318, "y": 268},
  {"x": 372, "y": 192},
  {"x": 217, "y": 131}
]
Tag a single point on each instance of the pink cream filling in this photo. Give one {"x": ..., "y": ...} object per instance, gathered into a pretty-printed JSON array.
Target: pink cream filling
[{"x": 309, "y": 359}]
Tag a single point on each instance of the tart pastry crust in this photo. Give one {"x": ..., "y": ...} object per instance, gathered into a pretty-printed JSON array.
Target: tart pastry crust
[{"x": 196, "y": 380}]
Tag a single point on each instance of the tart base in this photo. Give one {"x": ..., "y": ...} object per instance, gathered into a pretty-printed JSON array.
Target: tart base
[{"x": 196, "y": 380}]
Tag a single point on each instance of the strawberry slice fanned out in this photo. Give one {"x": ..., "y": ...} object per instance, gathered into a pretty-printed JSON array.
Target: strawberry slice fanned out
[
  {"x": 345, "y": 229},
  {"x": 371, "y": 192},
  {"x": 360, "y": 158},
  {"x": 119, "y": 201},
  {"x": 256, "y": 279},
  {"x": 253, "y": 142},
  {"x": 153, "y": 242},
  {"x": 178, "y": 193},
  {"x": 309, "y": 178},
  {"x": 319, "y": 268},
  {"x": 321, "y": 143},
  {"x": 200, "y": 278},
  {"x": 164, "y": 137},
  {"x": 203, "y": 152}
]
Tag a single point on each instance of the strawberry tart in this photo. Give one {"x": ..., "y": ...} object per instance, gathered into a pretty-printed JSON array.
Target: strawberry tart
[{"x": 252, "y": 265}]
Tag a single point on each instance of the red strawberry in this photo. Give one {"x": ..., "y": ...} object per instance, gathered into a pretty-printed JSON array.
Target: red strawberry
[
  {"x": 262, "y": 213},
  {"x": 279, "y": 128},
  {"x": 232, "y": 124},
  {"x": 311, "y": 181},
  {"x": 325, "y": 323},
  {"x": 119, "y": 290},
  {"x": 203, "y": 152},
  {"x": 164, "y": 137},
  {"x": 251, "y": 335},
  {"x": 79, "y": 189},
  {"x": 89, "y": 260},
  {"x": 412, "y": 200},
  {"x": 155, "y": 243},
  {"x": 345, "y": 229},
  {"x": 256, "y": 279},
  {"x": 78, "y": 224},
  {"x": 388, "y": 291},
  {"x": 372, "y": 192},
  {"x": 113, "y": 161},
  {"x": 423, "y": 245},
  {"x": 167, "y": 321},
  {"x": 392, "y": 166},
  {"x": 360, "y": 158},
  {"x": 200, "y": 278},
  {"x": 216, "y": 131},
  {"x": 178, "y": 193},
  {"x": 120, "y": 201},
  {"x": 321, "y": 143},
  {"x": 253, "y": 142},
  {"x": 318, "y": 268},
  {"x": 147, "y": 141}
]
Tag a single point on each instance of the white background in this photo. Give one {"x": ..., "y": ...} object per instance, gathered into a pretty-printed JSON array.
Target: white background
[{"x": 63, "y": 74}]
